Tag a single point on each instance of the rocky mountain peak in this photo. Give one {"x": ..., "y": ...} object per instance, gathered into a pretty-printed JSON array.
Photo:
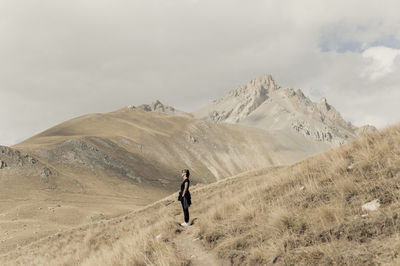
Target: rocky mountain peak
[
  {"x": 264, "y": 81},
  {"x": 239, "y": 102},
  {"x": 264, "y": 104},
  {"x": 256, "y": 89},
  {"x": 156, "y": 106}
]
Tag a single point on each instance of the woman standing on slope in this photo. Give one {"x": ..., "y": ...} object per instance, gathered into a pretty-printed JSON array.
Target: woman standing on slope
[{"x": 184, "y": 196}]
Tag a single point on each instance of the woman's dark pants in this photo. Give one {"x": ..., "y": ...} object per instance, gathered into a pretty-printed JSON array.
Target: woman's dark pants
[{"x": 185, "y": 212}]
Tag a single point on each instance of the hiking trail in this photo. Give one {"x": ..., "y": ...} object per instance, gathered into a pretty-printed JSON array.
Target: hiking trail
[{"x": 188, "y": 244}]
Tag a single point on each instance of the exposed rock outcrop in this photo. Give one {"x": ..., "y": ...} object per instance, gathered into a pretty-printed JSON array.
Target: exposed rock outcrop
[
  {"x": 158, "y": 106},
  {"x": 3, "y": 164},
  {"x": 101, "y": 156},
  {"x": 12, "y": 161}
]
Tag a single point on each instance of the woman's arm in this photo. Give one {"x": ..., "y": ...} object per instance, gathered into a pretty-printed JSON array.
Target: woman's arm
[{"x": 184, "y": 190}]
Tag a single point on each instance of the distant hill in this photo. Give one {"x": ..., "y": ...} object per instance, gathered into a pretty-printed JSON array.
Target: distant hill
[{"x": 150, "y": 145}]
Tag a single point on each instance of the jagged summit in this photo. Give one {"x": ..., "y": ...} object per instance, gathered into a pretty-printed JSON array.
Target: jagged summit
[
  {"x": 264, "y": 81},
  {"x": 158, "y": 106},
  {"x": 241, "y": 101},
  {"x": 263, "y": 103},
  {"x": 256, "y": 88}
]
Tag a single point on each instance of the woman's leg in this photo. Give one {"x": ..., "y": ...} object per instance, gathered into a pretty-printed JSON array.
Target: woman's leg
[{"x": 185, "y": 213}]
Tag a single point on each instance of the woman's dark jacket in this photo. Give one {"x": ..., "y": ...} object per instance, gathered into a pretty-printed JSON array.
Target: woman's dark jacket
[{"x": 187, "y": 201}]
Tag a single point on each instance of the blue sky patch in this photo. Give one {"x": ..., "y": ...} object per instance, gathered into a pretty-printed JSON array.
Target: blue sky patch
[{"x": 342, "y": 38}]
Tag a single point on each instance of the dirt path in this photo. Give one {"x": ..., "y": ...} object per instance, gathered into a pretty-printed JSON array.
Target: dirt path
[{"x": 187, "y": 243}]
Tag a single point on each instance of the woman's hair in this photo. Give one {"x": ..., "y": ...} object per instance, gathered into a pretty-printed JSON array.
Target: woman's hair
[{"x": 186, "y": 171}]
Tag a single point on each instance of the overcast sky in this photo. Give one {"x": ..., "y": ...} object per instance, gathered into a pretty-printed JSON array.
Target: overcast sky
[{"x": 63, "y": 58}]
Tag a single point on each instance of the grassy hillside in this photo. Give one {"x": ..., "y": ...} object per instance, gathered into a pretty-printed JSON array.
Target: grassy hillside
[
  {"x": 307, "y": 213},
  {"x": 150, "y": 147},
  {"x": 103, "y": 165}
]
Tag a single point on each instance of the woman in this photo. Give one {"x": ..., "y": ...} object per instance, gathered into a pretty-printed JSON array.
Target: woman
[{"x": 184, "y": 196}]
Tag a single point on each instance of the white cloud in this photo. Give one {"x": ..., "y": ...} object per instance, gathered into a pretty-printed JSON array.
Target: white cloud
[{"x": 380, "y": 61}]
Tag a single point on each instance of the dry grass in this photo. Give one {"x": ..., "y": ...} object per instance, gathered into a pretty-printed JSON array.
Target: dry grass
[
  {"x": 305, "y": 214},
  {"x": 310, "y": 213}
]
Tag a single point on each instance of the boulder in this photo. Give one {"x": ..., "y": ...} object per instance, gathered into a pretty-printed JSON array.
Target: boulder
[{"x": 371, "y": 206}]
